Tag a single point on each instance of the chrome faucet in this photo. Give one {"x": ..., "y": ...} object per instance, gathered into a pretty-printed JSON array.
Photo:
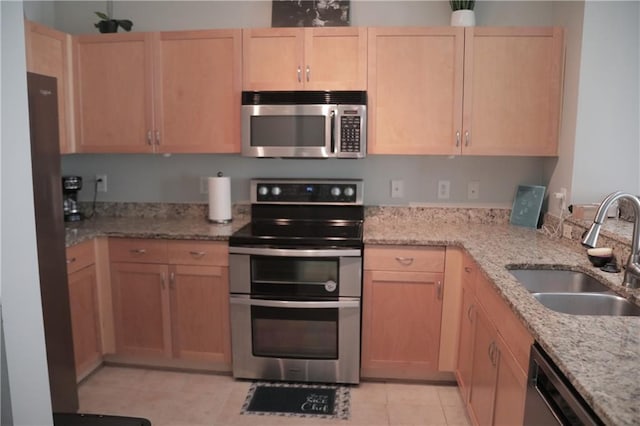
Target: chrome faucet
[{"x": 632, "y": 271}]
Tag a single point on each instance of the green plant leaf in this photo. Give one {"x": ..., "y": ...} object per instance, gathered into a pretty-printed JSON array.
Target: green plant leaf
[
  {"x": 103, "y": 16},
  {"x": 125, "y": 24}
]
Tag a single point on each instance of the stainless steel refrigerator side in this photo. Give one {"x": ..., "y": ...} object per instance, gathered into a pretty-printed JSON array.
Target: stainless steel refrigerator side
[{"x": 50, "y": 236}]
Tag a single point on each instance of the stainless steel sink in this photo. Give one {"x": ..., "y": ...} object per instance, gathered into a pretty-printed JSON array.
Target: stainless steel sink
[
  {"x": 557, "y": 281},
  {"x": 588, "y": 304}
]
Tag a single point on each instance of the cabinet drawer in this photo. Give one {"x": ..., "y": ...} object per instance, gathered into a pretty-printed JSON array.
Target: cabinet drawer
[
  {"x": 198, "y": 253},
  {"x": 80, "y": 256},
  {"x": 137, "y": 250},
  {"x": 400, "y": 258}
]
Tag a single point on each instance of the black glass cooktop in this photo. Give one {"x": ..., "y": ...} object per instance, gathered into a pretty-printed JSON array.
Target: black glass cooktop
[{"x": 300, "y": 233}]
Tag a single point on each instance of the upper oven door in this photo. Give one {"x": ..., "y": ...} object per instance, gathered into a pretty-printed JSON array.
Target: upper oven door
[
  {"x": 295, "y": 274},
  {"x": 302, "y": 131}
]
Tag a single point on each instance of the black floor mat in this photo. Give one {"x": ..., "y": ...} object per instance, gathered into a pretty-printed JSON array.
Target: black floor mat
[{"x": 304, "y": 400}]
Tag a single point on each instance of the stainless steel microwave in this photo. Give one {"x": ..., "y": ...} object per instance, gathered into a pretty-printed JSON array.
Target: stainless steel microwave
[{"x": 304, "y": 124}]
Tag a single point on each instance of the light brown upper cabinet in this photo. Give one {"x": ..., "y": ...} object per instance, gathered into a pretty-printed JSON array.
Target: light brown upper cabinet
[
  {"x": 415, "y": 90},
  {"x": 512, "y": 91},
  {"x": 305, "y": 58},
  {"x": 176, "y": 92},
  {"x": 474, "y": 91},
  {"x": 48, "y": 53}
]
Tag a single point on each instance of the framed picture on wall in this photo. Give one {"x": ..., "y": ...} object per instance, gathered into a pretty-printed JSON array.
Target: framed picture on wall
[{"x": 310, "y": 13}]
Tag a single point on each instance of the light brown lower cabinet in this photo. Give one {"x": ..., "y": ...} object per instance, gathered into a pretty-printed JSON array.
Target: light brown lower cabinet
[
  {"x": 467, "y": 327},
  {"x": 168, "y": 310},
  {"x": 493, "y": 355},
  {"x": 83, "y": 303},
  {"x": 402, "y": 307}
]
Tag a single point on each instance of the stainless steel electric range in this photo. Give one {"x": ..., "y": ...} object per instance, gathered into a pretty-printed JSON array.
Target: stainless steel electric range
[{"x": 296, "y": 282}]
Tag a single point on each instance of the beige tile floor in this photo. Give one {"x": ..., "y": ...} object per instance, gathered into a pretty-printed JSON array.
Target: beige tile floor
[{"x": 187, "y": 399}]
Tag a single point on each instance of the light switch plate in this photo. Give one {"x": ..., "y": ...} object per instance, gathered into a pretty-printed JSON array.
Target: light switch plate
[
  {"x": 444, "y": 187},
  {"x": 397, "y": 188}
]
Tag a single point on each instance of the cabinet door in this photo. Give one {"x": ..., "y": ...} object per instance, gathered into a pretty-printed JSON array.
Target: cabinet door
[
  {"x": 415, "y": 80},
  {"x": 512, "y": 90},
  {"x": 335, "y": 58},
  {"x": 141, "y": 309},
  {"x": 113, "y": 93},
  {"x": 48, "y": 54},
  {"x": 511, "y": 389},
  {"x": 465, "y": 347},
  {"x": 467, "y": 313},
  {"x": 200, "y": 313},
  {"x": 85, "y": 321},
  {"x": 197, "y": 91},
  {"x": 401, "y": 324},
  {"x": 484, "y": 370},
  {"x": 273, "y": 59}
]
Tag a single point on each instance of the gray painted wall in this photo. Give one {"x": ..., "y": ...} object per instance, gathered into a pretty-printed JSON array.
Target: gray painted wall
[
  {"x": 608, "y": 131},
  {"x": 21, "y": 306},
  {"x": 176, "y": 179}
]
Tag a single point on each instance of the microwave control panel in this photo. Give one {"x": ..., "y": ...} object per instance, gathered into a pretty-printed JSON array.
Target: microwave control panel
[{"x": 350, "y": 133}]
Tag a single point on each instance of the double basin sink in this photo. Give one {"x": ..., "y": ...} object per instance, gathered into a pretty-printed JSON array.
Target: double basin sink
[{"x": 573, "y": 292}]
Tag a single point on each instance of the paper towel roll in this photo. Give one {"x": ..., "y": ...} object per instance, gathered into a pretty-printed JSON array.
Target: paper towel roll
[{"x": 219, "y": 199}]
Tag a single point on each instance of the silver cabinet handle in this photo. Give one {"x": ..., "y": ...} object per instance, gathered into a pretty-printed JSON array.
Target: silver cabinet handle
[
  {"x": 496, "y": 355},
  {"x": 157, "y": 137},
  {"x": 466, "y": 138},
  {"x": 308, "y": 73},
  {"x": 197, "y": 253},
  {"x": 458, "y": 139},
  {"x": 299, "y": 75},
  {"x": 172, "y": 280},
  {"x": 406, "y": 261},
  {"x": 493, "y": 353},
  {"x": 439, "y": 290},
  {"x": 149, "y": 140},
  {"x": 73, "y": 259},
  {"x": 138, "y": 251},
  {"x": 163, "y": 280},
  {"x": 469, "y": 312}
]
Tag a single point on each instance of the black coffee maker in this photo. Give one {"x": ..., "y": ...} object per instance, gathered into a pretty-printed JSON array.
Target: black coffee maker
[{"x": 70, "y": 187}]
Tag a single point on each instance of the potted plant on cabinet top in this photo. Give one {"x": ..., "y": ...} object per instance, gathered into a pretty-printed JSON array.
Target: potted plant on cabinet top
[
  {"x": 462, "y": 14},
  {"x": 110, "y": 25}
]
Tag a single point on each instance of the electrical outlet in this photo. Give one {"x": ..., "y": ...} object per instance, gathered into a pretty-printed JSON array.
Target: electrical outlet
[
  {"x": 101, "y": 181},
  {"x": 443, "y": 189},
  {"x": 397, "y": 189},
  {"x": 566, "y": 230},
  {"x": 204, "y": 185},
  {"x": 473, "y": 190}
]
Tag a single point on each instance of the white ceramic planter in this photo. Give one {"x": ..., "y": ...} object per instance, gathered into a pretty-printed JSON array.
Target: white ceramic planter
[{"x": 463, "y": 18}]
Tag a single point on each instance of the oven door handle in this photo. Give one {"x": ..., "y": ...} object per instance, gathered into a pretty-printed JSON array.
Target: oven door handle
[
  {"x": 350, "y": 303},
  {"x": 296, "y": 252}
]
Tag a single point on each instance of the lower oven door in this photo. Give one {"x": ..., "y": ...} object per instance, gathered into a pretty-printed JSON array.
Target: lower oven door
[{"x": 309, "y": 341}]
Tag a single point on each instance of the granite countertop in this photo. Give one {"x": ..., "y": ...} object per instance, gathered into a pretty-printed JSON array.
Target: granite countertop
[
  {"x": 190, "y": 228},
  {"x": 600, "y": 355}
]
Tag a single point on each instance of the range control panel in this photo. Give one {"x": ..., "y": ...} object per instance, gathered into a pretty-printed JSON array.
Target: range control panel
[{"x": 306, "y": 191}]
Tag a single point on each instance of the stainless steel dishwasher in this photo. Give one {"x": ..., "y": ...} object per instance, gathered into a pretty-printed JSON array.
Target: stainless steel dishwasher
[{"x": 551, "y": 399}]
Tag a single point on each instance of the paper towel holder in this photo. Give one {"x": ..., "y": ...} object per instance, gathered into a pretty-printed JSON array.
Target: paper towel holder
[{"x": 220, "y": 200}]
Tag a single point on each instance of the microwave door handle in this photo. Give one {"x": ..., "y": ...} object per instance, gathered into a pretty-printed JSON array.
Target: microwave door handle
[{"x": 333, "y": 132}]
